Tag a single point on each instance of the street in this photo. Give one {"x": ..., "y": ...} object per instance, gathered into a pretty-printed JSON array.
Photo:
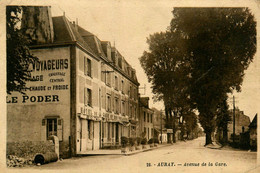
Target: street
[{"x": 190, "y": 156}]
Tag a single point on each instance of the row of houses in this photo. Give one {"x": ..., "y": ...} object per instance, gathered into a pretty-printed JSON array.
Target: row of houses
[{"x": 84, "y": 91}]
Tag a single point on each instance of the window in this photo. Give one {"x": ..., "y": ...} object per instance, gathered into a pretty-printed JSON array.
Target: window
[
  {"x": 116, "y": 83},
  {"x": 144, "y": 116},
  {"x": 117, "y": 106},
  {"x": 88, "y": 97},
  {"x": 134, "y": 112},
  {"x": 148, "y": 133},
  {"x": 122, "y": 87},
  {"x": 144, "y": 130},
  {"x": 148, "y": 117},
  {"x": 151, "y": 118},
  {"x": 120, "y": 62},
  {"x": 108, "y": 80},
  {"x": 51, "y": 127},
  {"x": 108, "y": 103},
  {"x": 130, "y": 92},
  {"x": 130, "y": 110},
  {"x": 123, "y": 108},
  {"x": 87, "y": 65}
]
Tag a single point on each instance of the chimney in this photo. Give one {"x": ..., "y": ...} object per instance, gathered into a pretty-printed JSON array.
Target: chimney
[{"x": 38, "y": 25}]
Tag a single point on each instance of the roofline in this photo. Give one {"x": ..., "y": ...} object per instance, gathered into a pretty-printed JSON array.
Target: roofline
[
  {"x": 63, "y": 44},
  {"x": 74, "y": 41}
]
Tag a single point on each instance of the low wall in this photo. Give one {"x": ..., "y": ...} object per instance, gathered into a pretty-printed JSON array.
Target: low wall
[{"x": 28, "y": 149}]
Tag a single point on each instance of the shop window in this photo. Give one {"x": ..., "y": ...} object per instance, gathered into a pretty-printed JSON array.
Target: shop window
[
  {"x": 90, "y": 129},
  {"x": 108, "y": 128},
  {"x": 103, "y": 130},
  {"x": 113, "y": 130}
]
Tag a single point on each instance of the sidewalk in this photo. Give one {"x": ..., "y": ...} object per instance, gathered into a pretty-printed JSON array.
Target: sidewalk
[{"x": 118, "y": 151}]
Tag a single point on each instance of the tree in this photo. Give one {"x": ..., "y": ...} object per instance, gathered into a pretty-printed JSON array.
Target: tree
[
  {"x": 223, "y": 118},
  {"x": 191, "y": 124},
  {"x": 220, "y": 44},
  {"x": 18, "y": 54},
  {"x": 168, "y": 72}
]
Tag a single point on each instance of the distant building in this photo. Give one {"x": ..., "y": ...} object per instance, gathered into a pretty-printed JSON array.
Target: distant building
[
  {"x": 241, "y": 124},
  {"x": 146, "y": 118},
  {"x": 159, "y": 125}
]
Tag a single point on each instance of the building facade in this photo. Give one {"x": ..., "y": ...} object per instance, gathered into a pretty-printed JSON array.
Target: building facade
[
  {"x": 242, "y": 123},
  {"x": 146, "y": 119},
  {"x": 84, "y": 92},
  {"x": 159, "y": 125}
]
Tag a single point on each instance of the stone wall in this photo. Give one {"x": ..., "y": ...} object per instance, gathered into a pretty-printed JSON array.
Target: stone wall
[{"x": 28, "y": 149}]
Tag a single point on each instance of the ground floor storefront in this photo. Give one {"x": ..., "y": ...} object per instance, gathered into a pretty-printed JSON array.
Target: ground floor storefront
[{"x": 94, "y": 133}]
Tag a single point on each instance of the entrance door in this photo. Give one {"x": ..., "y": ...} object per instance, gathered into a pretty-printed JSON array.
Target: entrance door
[
  {"x": 80, "y": 147},
  {"x": 117, "y": 133}
]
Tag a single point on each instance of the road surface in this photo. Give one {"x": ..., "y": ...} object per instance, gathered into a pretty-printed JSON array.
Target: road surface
[{"x": 190, "y": 156}]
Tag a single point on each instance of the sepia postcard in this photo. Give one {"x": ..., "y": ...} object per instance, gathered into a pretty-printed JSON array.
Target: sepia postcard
[{"x": 130, "y": 86}]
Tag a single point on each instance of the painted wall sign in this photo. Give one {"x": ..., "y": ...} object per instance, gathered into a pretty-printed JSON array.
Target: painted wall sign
[{"x": 50, "y": 79}]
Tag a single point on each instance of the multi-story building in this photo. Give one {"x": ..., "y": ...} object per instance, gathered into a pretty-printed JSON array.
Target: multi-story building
[
  {"x": 159, "y": 125},
  {"x": 146, "y": 118},
  {"x": 84, "y": 91}
]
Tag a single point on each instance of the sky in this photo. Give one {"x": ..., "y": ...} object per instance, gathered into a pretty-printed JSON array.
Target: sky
[{"x": 127, "y": 24}]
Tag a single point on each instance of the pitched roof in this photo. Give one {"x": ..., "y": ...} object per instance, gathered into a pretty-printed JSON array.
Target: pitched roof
[
  {"x": 65, "y": 31},
  {"x": 61, "y": 35}
]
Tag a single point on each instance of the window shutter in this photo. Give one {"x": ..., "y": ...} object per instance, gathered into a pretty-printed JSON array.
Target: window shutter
[
  {"x": 60, "y": 129},
  {"x": 43, "y": 130}
]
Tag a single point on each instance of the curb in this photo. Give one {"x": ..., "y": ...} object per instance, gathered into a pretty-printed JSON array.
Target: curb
[
  {"x": 124, "y": 154},
  {"x": 129, "y": 154}
]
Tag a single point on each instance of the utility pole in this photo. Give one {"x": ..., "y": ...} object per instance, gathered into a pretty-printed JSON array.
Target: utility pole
[
  {"x": 234, "y": 109},
  {"x": 161, "y": 126}
]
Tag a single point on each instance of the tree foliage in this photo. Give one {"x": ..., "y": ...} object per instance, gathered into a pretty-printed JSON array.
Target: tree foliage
[
  {"x": 199, "y": 59},
  {"x": 223, "y": 118},
  {"x": 18, "y": 54},
  {"x": 168, "y": 71}
]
